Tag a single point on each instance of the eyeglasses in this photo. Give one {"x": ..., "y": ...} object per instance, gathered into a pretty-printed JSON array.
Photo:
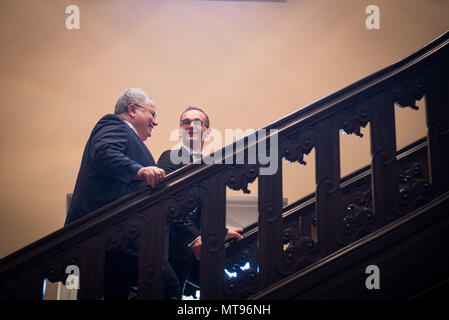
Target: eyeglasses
[
  {"x": 152, "y": 112},
  {"x": 186, "y": 122}
]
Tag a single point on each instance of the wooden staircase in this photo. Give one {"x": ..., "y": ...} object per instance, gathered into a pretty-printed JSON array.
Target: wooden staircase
[{"x": 316, "y": 248}]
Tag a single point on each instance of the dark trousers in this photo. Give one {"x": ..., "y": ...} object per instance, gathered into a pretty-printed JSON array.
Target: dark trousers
[
  {"x": 121, "y": 273},
  {"x": 188, "y": 273}
]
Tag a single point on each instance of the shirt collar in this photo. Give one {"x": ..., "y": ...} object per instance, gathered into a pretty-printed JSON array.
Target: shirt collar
[
  {"x": 192, "y": 152},
  {"x": 131, "y": 126}
]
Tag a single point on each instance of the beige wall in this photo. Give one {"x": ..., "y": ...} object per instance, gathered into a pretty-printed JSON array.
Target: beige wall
[{"x": 246, "y": 63}]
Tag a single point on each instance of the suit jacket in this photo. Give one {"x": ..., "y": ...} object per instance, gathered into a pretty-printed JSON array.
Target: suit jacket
[
  {"x": 182, "y": 231},
  {"x": 112, "y": 157}
]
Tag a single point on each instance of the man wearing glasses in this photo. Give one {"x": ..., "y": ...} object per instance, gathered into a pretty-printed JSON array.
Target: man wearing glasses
[
  {"x": 115, "y": 163},
  {"x": 185, "y": 234}
]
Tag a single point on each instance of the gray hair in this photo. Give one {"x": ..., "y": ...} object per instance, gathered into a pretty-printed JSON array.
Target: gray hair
[{"x": 131, "y": 96}]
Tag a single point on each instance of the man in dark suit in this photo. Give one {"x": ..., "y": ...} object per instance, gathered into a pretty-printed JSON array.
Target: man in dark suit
[
  {"x": 185, "y": 234},
  {"x": 115, "y": 163}
]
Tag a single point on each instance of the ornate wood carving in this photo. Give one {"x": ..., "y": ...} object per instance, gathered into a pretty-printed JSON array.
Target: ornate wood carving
[
  {"x": 297, "y": 144},
  {"x": 359, "y": 215},
  {"x": 406, "y": 92},
  {"x": 352, "y": 119},
  {"x": 238, "y": 177}
]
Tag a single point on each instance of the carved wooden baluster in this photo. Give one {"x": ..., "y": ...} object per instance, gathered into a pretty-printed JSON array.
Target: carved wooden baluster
[
  {"x": 91, "y": 278},
  {"x": 151, "y": 255},
  {"x": 383, "y": 163},
  {"x": 327, "y": 185},
  {"x": 213, "y": 221},
  {"x": 270, "y": 224},
  {"x": 437, "y": 101}
]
